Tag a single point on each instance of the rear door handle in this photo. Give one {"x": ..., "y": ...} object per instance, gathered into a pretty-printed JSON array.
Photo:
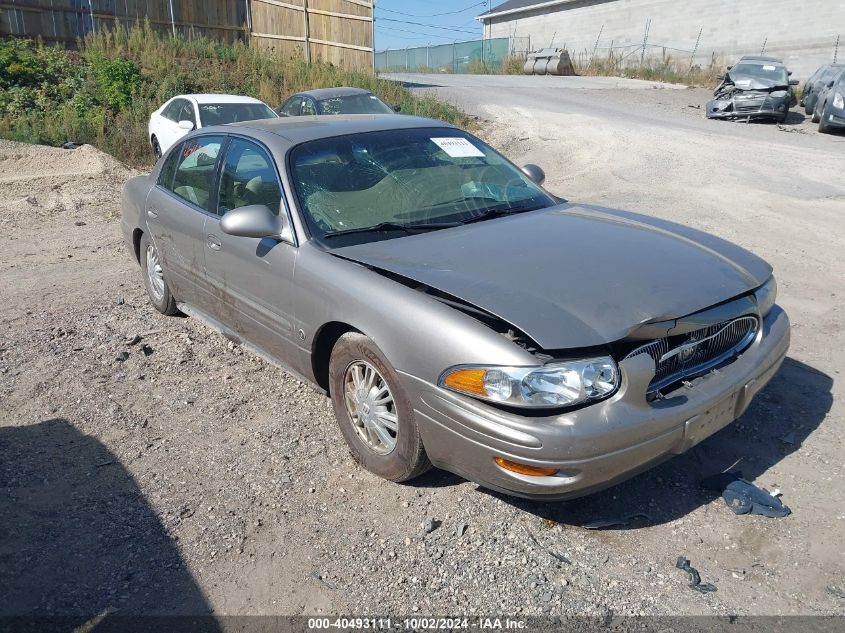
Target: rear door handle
[
  {"x": 213, "y": 242},
  {"x": 152, "y": 212}
]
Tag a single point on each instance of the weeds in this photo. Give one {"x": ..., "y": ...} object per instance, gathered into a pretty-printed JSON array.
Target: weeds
[{"x": 104, "y": 94}]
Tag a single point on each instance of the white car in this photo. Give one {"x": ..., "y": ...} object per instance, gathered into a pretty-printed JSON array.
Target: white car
[{"x": 184, "y": 113}]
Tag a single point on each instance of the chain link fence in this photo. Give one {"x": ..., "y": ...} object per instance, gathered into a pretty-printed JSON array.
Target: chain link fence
[{"x": 458, "y": 57}]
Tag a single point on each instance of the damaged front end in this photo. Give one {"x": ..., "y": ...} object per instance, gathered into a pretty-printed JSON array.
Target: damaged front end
[{"x": 749, "y": 99}]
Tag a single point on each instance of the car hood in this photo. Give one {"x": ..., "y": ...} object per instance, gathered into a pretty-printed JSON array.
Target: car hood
[
  {"x": 747, "y": 82},
  {"x": 572, "y": 276}
]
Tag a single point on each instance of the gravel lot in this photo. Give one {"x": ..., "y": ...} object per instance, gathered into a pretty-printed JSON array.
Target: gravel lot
[{"x": 149, "y": 466}]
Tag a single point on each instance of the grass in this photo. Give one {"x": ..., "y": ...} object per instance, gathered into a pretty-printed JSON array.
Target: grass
[{"x": 104, "y": 94}]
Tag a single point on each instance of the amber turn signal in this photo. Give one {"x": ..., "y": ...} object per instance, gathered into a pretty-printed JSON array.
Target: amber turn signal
[
  {"x": 467, "y": 381},
  {"x": 525, "y": 469}
]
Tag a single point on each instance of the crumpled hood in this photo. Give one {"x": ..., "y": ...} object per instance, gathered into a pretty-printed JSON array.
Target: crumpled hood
[
  {"x": 573, "y": 276},
  {"x": 747, "y": 82}
]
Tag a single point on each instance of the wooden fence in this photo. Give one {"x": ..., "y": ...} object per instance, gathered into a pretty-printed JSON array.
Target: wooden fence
[{"x": 337, "y": 31}]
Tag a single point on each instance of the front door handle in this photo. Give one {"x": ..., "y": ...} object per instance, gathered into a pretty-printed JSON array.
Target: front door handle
[
  {"x": 213, "y": 242},
  {"x": 152, "y": 212}
]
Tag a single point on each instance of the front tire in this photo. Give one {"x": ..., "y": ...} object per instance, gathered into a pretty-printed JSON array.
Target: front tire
[
  {"x": 373, "y": 410},
  {"x": 154, "y": 281},
  {"x": 824, "y": 126}
]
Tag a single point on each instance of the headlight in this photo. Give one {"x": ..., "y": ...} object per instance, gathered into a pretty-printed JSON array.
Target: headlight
[
  {"x": 561, "y": 384},
  {"x": 766, "y": 295},
  {"x": 838, "y": 101}
]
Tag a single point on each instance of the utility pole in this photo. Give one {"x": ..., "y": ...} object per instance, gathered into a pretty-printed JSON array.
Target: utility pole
[{"x": 307, "y": 32}]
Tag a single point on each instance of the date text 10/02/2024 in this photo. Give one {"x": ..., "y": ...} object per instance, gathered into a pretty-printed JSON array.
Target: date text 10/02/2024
[{"x": 417, "y": 623}]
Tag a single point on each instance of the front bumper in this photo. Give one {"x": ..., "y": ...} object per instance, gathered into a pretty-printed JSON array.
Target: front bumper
[
  {"x": 599, "y": 445},
  {"x": 835, "y": 118},
  {"x": 738, "y": 108}
]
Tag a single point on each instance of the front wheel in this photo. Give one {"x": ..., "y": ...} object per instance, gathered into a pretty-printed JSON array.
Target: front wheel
[
  {"x": 157, "y": 288},
  {"x": 373, "y": 410},
  {"x": 824, "y": 126}
]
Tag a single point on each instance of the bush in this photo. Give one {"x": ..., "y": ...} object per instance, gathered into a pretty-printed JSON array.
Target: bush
[{"x": 104, "y": 94}]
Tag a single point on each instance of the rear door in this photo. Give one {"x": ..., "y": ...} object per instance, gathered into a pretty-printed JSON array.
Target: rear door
[
  {"x": 177, "y": 208},
  {"x": 253, "y": 277}
]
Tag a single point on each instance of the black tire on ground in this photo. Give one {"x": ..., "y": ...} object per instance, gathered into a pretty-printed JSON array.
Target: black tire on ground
[
  {"x": 156, "y": 148},
  {"x": 166, "y": 303},
  {"x": 824, "y": 126},
  {"x": 408, "y": 459},
  {"x": 816, "y": 115}
]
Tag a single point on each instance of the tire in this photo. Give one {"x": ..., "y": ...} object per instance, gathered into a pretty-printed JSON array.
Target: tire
[
  {"x": 816, "y": 114},
  {"x": 352, "y": 355},
  {"x": 824, "y": 126},
  {"x": 156, "y": 148},
  {"x": 160, "y": 295}
]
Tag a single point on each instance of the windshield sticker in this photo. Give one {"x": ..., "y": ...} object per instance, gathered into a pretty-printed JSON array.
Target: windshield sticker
[
  {"x": 768, "y": 68},
  {"x": 458, "y": 147}
]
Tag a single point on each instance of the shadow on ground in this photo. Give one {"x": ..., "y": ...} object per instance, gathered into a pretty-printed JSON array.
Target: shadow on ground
[{"x": 77, "y": 537}]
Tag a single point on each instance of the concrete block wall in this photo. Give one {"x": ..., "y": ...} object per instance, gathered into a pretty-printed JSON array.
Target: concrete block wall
[{"x": 803, "y": 34}]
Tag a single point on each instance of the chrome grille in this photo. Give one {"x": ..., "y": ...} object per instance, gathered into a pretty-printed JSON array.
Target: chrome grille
[{"x": 677, "y": 357}]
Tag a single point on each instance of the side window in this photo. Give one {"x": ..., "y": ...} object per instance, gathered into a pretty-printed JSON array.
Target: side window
[
  {"x": 186, "y": 113},
  {"x": 195, "y": 169},
  {"x": 171, "y": 111},
  {"x": 293, "y": 106},
  {"x": 248, "y": 177},
  {"x": 308, "y": 108},
  {"x": 165, "y": 176}
]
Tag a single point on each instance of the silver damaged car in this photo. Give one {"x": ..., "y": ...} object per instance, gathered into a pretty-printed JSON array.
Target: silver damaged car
[{"x": 456, "y": 313}]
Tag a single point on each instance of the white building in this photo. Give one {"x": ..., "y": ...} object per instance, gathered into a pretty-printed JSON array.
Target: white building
[{"x": 803, "y": 34}]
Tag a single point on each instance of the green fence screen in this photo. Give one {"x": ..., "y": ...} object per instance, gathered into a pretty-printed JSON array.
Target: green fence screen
[{"x": 459, "y": 57}]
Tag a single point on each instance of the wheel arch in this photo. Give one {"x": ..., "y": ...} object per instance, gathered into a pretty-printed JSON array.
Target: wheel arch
[
  {"x": 321, "y": 350},
  {"x": 137, "y": 234}
]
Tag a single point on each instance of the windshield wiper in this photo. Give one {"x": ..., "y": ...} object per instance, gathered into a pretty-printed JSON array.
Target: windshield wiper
[
  {"x": 501, "y": 210},
  {"x": 394, "y": 226}
]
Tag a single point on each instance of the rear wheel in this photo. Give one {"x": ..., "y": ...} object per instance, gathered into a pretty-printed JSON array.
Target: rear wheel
[
  {"x": 156, "y": 148},
  {"x": 373, "y": 410},
  {"x": 157, "y": 288}
]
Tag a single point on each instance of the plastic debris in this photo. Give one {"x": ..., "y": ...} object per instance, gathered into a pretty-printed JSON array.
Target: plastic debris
[{"x": 694, "y": 577}]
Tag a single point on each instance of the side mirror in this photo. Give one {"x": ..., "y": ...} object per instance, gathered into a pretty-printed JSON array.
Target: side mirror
[
  {"x": 830, "y": 84},
  {"x": 729, "y": 67},
  {"x": 257, "y": 220},
  {"x": 535, "y": 173},
  {"x": 793, "y": 82},
  {"x": 186, "y": 125},
  {"x": 397, "y": 108},
  {"x": 789, "y": 73}
]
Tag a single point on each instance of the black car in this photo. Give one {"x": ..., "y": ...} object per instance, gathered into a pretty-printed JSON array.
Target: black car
[
  {"x": 817, "y": 83},
  {"x": 755, "y": 87},
  {"x": 829, "y": 111},
  {"x": 335, "y": 101}
]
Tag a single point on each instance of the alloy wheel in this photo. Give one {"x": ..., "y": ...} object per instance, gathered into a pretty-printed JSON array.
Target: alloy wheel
[{"x": 371, "y": 407}]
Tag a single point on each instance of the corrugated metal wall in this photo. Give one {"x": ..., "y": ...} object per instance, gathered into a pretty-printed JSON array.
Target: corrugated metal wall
[{"x": 337, "y": 31}]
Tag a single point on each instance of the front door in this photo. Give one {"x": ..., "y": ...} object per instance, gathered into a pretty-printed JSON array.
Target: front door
[
  {"x": 177, "y": 208},
  {"x": 252, "y": 276}
]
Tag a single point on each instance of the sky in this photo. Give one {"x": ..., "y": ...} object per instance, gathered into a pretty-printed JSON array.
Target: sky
[{"x": 408, "y": 23}]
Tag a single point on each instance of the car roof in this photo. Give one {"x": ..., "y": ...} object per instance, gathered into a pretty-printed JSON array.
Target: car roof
[
  {"x": 205, "y": 98},
  {"x": 332, "y": 93},
  {"x": 761, "y": 58},
  {"x": 300, "y": 129}
]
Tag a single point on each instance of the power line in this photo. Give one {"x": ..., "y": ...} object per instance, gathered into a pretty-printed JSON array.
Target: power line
[
  {"x": 426, "y": 36},
  {"x": 432, "y": 15},
  {"x": 428, "y": 26}
]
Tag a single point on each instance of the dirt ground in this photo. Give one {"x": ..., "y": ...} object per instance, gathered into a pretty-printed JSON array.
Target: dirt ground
[{"x": 150, "y": 466}]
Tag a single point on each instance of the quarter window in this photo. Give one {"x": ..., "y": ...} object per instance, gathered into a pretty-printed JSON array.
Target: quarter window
[
  {"x": 171, "y": 112},
  {"x": 248, "y": 177},
  {"x": 196, "y": 166}
]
